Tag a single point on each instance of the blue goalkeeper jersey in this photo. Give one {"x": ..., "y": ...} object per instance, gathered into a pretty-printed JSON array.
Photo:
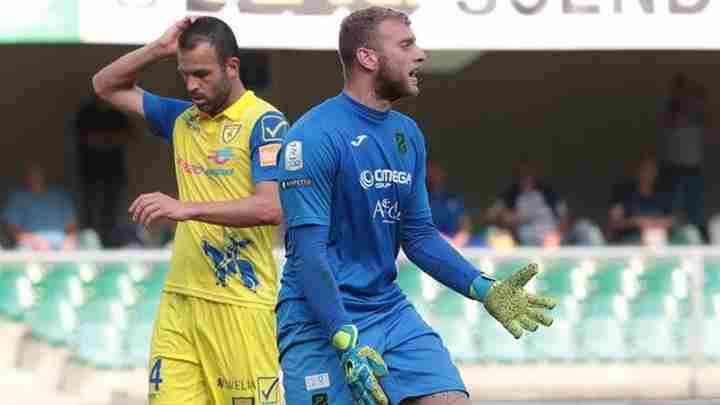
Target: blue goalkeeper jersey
[{"x": 361, "y": 172}]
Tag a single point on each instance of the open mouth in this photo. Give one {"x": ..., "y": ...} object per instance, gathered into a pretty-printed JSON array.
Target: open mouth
[{"x": 414, "y": 75}]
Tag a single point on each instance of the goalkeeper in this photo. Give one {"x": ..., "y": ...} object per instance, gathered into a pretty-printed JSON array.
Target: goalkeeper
[{"x": 352, "y": 186}]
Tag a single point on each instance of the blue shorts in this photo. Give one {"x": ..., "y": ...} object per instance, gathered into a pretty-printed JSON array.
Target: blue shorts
[{"x": 418, "y": 361}]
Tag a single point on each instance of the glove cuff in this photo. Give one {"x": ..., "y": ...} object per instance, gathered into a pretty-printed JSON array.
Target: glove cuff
[
  {"x": 345, "y": 338},
  {"x": 480, "y": 287}
]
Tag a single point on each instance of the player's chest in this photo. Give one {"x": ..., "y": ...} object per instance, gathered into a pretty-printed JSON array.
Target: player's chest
[
  {"x": 381, "y": 166},
  {"x": 212, "y": 148}
]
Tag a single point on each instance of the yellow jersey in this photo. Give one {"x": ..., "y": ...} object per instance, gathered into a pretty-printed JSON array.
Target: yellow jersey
[{"x": 221, "y": 158}]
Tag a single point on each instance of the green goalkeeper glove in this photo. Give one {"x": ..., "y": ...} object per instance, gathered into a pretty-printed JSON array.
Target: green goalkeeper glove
[
  {"x": 362, "y": 366},
  {"x": 511, "y": 305}
]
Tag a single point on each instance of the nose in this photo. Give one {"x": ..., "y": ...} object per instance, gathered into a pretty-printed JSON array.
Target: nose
[
  {"x": 422, "y": 56},
  {"x": 191, "y": 84}
]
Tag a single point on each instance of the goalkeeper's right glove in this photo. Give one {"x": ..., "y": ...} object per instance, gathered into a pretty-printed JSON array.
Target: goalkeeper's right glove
[{"x": 362, "y": 367}]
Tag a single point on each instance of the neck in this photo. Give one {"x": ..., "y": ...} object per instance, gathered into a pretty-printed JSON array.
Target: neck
[
  {"x": 363, "y": 91},
  {"x": 236, "y": 92}
]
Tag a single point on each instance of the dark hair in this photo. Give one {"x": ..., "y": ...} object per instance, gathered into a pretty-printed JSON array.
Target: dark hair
[
  {"x": 358, "y": 30},
  {"x": 214, "y": 31}
]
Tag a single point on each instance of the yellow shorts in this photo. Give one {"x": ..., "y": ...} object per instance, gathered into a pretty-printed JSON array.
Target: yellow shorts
[{"x": 210, "y": 353}]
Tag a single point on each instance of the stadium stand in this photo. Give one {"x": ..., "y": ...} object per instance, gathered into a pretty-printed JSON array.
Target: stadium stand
[{"x": 76, "y": 326}]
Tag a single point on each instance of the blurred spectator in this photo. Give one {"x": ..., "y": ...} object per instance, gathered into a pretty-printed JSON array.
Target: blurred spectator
[
  {"x": 534, "y": 212},
  {"x": 40, "y": 217},
  {"x": 639, "y": 211},
  {"x": 684, "y": 132},
  {"x": 102, "y": 136},
  {"x": 448, "y": 210}
]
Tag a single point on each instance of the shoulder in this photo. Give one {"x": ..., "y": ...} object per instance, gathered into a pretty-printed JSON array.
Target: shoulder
[{"x": 318, "y": 124}]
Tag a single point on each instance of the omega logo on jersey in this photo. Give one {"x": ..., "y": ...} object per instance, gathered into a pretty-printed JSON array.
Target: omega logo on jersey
[
  {"x": 387, "y": 210},
  {"x": 383, "y": 178}
]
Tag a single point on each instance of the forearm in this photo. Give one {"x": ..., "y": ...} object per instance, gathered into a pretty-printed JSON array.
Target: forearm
[
  {"x": 316, "y": 278},
  {"x": 17, "y": 232},
  {"x": 255, "y": 210},
  {"x": 124, "y": 73},
  {"x": 428, "y": 250}
]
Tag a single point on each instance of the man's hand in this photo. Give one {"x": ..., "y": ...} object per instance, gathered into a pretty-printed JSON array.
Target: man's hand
[
  {"x": 513, "y": 307},
  {"x": 362, "y": 367},
  {"x": 149, "y": 207},
  {"x": 33, "y": 241},
  {"x": 167, "y": 45}
]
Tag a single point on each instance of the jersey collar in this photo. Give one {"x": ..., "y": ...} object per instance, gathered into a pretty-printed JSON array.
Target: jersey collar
[{"x": 234, "y": 112}]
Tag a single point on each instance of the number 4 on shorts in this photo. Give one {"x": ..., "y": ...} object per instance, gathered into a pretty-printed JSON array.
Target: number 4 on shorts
[{"x": 155, "y": 374}]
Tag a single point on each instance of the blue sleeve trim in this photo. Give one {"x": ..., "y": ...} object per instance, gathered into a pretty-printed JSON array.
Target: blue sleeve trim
[
  {"x": 307, "y": 220},
  {"x": 162, "y": 112}
]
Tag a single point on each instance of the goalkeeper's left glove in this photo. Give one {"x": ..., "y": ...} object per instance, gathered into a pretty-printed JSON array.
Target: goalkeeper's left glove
[
  {"x": 362, "y": 367},
  {"x": 511, "y": 305}
]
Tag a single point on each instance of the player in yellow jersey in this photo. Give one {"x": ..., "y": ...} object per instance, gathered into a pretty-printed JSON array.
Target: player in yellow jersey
[{"x": 214, "y": 335}]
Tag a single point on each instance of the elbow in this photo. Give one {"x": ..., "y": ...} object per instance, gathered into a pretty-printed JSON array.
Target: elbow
[{"x": 100, "y": 86}]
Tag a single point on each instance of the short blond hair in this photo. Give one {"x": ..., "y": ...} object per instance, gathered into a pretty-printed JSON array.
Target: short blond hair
[{"x": 358, "y": 30}]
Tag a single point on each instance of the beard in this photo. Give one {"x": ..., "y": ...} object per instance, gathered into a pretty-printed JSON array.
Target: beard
[
  {"x": 390, "y": 84},
  {"x": 216, "y": 104}
]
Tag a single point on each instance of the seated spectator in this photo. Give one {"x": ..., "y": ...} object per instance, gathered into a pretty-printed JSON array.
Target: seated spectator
[
  {"x": 448, "y": 210},
  {"x": 40, "y": 217},
  {"x": 532, "y": 210},
  {"x": 639, "y": 213}
]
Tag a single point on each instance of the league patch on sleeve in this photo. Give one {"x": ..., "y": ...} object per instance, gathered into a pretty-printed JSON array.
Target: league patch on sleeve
[
  {"x": 268, "y": 154},
  {"x": 274, "y": 127},
  {"x": 293, "y": 156}
]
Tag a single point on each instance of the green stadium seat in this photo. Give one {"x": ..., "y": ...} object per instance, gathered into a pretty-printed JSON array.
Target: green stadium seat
[
  {"x": 88, "y": 239},
  {"x": 612, "y": 277},
  {"x": 504, "y": 268},
  {"x": 495, "y": 344},
  {"x": 453, "y": 317},
  {"x": 63, "y": 279},
  {"x": 600, "y": 334},
  {"x": 152, "y": 285},
  {"x": 712, "y": 276},
  {"x": 53, "y": 319},
  {"x": 687, "y": 234},
  {"x": 561, "y": 278},
  {"x": 99, "y": 338},
  {"x": 651, "y": 330},
  {"x": 138, "y": 336},
  {"x": 557, "y": 343},
  {"x": 113, "y": 281},
  {"x": 16, "y": 293},
  {"x": 419, "y": 287}
]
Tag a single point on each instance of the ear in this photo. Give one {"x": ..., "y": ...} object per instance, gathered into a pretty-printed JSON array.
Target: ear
[
  {"x": 368, "y": 59},
  {"x": 232, "y": 67}
]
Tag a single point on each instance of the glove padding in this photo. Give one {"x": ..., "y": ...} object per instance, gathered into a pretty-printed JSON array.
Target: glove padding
[
  {"x": 513, "y": 307},
  {"x": 362, "y": 367}
]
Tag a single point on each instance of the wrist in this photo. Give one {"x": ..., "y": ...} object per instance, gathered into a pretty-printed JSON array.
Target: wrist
[
  {"x": 480, "y": 287},
  {"x": 189, "y": 211},
  {"x": 156, "y": 51},
  {"x": 345, "y": 338}
]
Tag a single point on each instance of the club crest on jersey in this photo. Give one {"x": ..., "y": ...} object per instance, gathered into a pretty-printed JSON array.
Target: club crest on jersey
[
  {"x": 230, "y": 132},
  {"x": 400, "y": 141},
  {"x": 192, "y": 121},
  {"x": 227, "y": 262}
]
